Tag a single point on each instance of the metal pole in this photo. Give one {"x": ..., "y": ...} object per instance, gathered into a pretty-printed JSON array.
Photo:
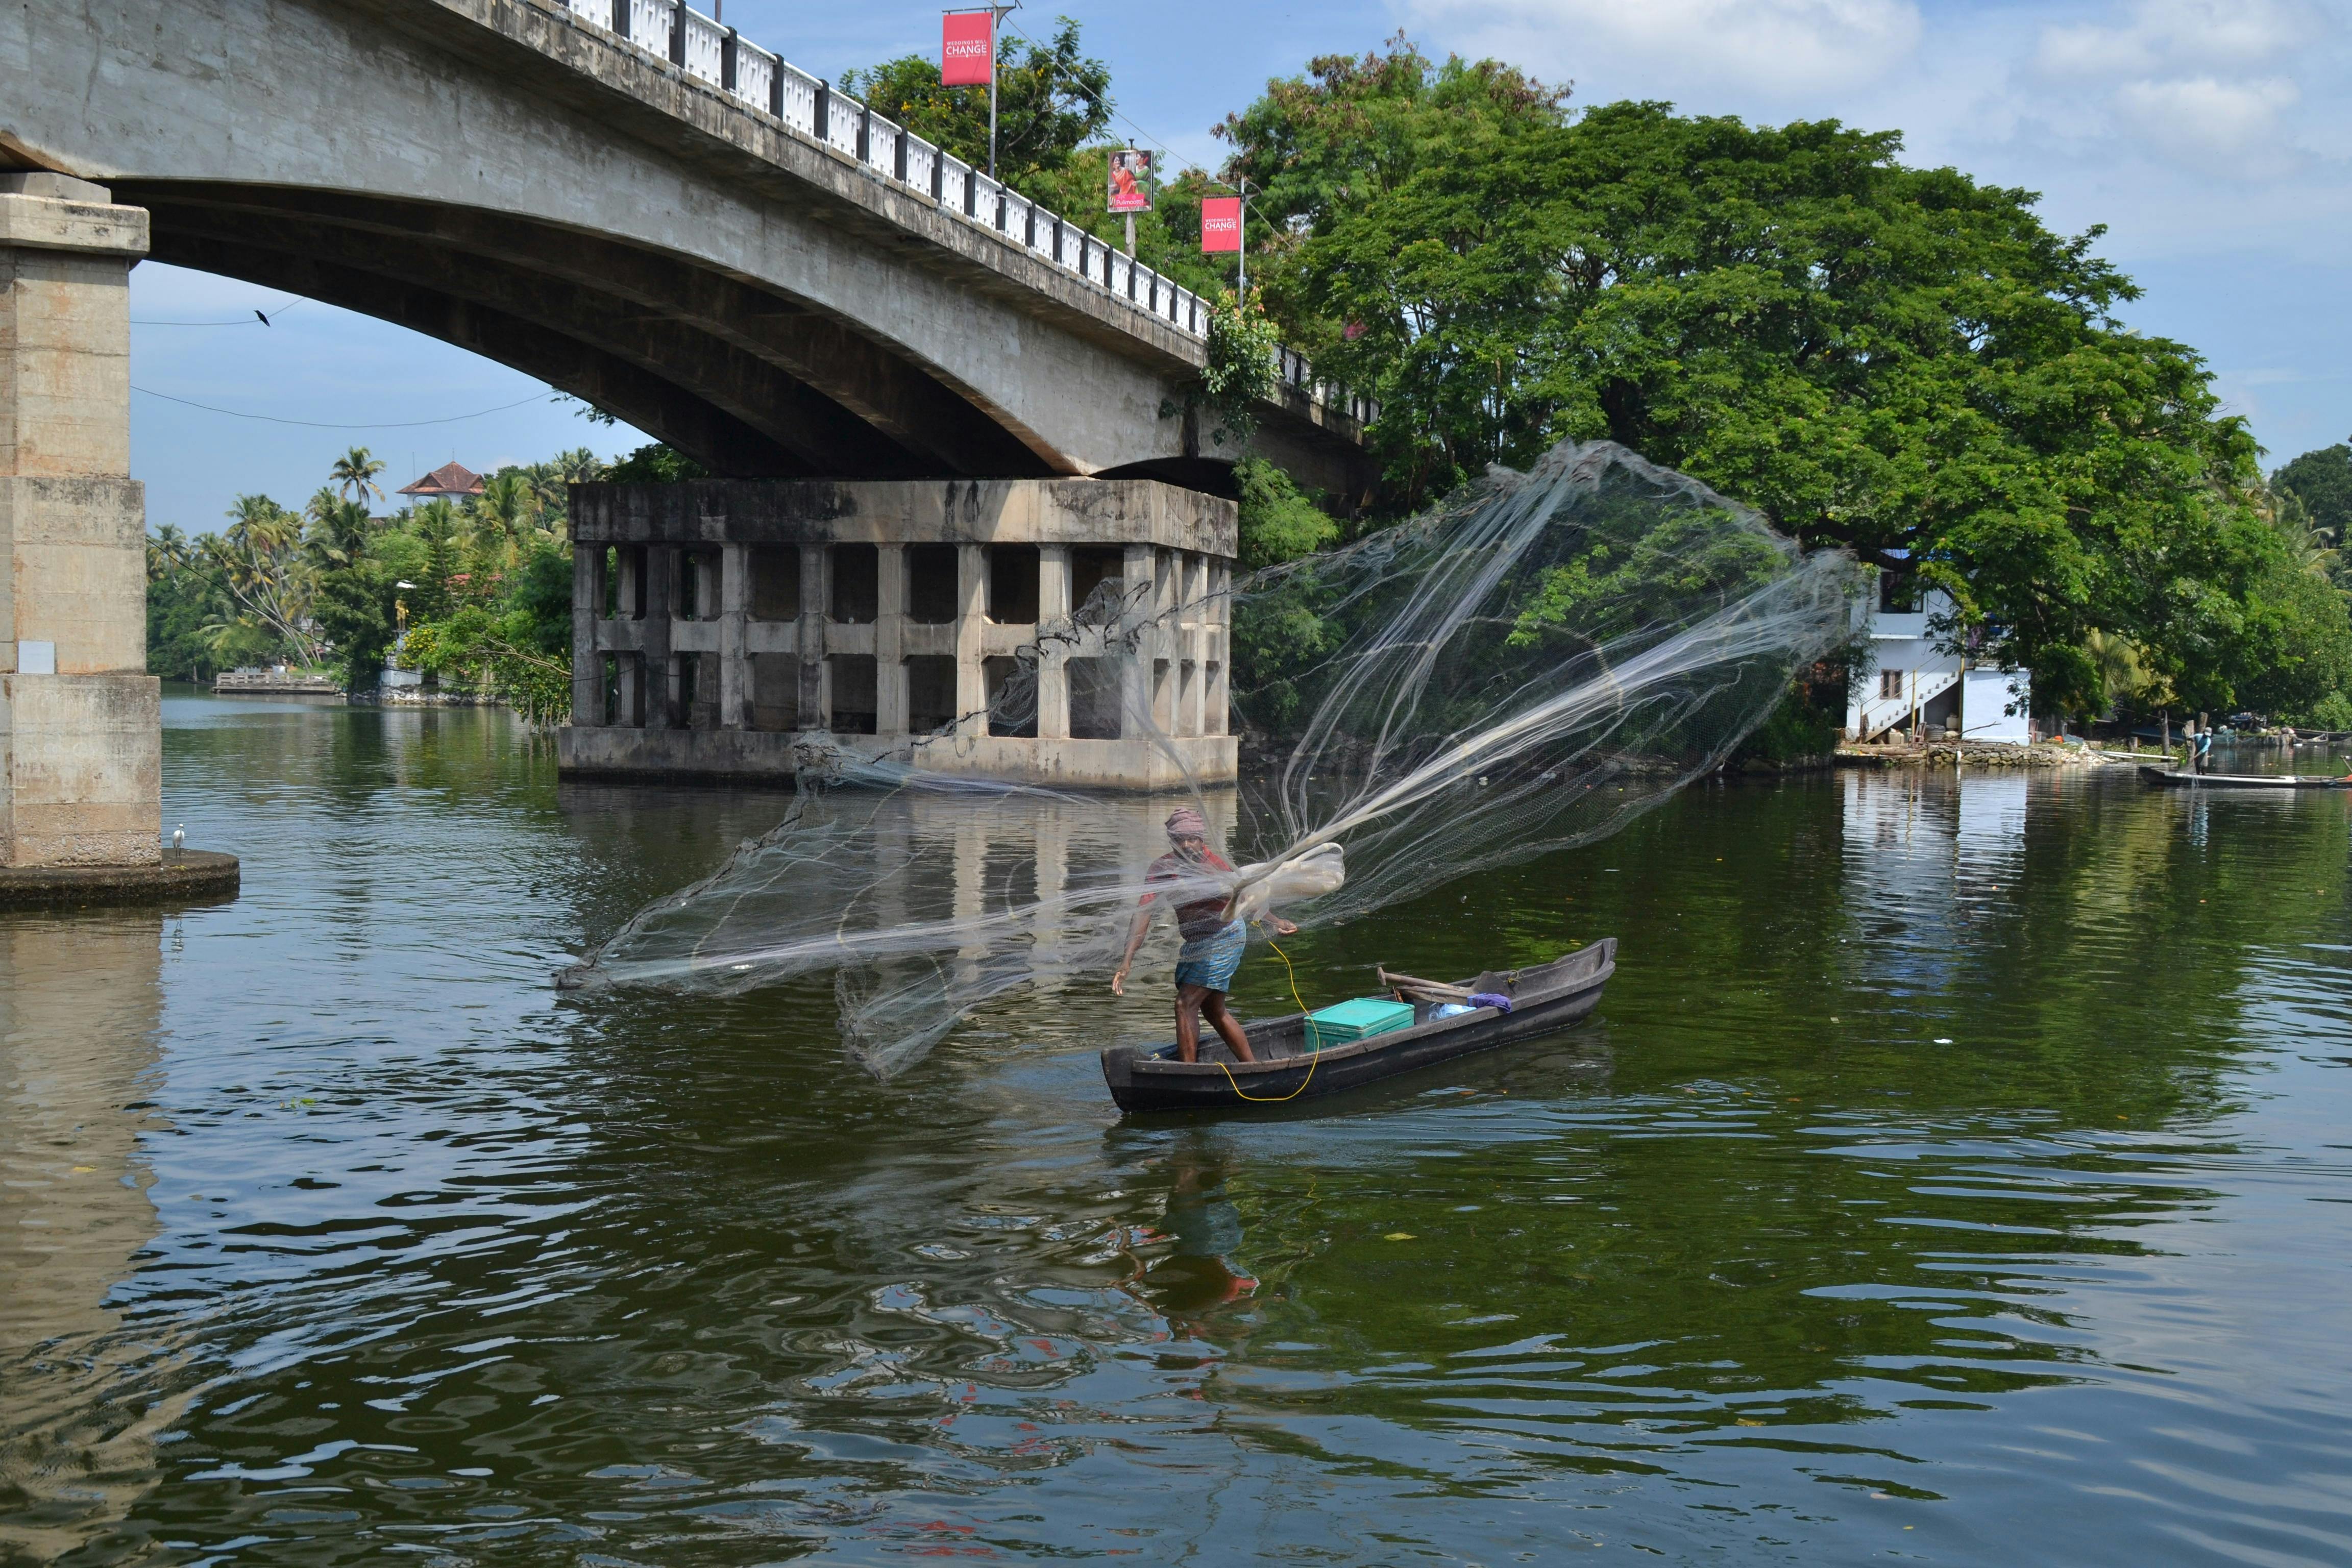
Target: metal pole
[
  {"x": 996, "y": 15},
  {"x": 1240, "y": 234},
  {"x": 1130, "y": 236}
]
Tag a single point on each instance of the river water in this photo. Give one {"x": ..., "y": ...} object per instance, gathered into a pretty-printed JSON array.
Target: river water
[{"x": 1956, "y": 1172}]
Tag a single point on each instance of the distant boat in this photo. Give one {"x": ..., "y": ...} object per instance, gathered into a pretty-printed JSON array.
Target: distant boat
[
  {"x": 1544, "y": 1001},
  {"x": 2173, "y": 778}
]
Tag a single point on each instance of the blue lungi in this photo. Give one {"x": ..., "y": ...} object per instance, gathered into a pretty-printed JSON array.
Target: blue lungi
[{"x": 1212, "y": 961}]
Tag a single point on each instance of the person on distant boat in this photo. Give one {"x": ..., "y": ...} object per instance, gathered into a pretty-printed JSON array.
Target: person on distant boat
[{"x": 1214, "y": 938}]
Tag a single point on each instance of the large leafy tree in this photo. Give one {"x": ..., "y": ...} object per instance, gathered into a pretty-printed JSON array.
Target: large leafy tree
[
  {"x": 1051, "y": 99},
  {"x": 2320, "y": 482},
  {"x": 1896, "y": 360}
]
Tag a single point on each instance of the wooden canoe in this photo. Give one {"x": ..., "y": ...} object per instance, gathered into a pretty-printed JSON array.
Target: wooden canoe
[
  {"x": 1544, "y": 1000},
  {"x": 2172, "y": 778}
]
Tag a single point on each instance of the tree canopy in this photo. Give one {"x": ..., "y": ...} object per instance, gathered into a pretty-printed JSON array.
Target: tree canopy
[{"x": 1898, "y": 360}]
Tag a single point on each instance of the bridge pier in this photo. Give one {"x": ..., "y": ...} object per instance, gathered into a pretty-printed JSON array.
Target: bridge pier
[
  {"x": 80, "y": 773},
  {"x": 80, "y": 719},
  {"x": 890, "y": 616}
]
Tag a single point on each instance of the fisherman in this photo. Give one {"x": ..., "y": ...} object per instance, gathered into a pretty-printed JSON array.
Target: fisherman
[
  {"x": 2204, "y": 748},
  {"x": 1213, "y": 937}
]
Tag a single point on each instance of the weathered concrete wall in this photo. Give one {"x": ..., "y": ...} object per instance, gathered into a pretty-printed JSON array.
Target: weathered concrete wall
[
  {"x": 670, "y": 631},
  {"x": 1107, "y": 765},
  {"x": 80, "y": 767},
  {"x": 999, "y": 512},
  {"x": 498, "y": 174}
]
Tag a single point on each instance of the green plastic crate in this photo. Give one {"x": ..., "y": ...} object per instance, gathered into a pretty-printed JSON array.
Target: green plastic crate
[{"x": 1344, "y": 1023}]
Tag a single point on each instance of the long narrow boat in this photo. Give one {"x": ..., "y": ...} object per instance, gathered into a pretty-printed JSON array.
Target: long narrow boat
[
  {"x": 1544, "y": 1001},
  {"x": 2172, "y": 778}
]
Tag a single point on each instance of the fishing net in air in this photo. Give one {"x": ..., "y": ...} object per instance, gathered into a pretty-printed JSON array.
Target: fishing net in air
[{"x": 1522, "y": 670}]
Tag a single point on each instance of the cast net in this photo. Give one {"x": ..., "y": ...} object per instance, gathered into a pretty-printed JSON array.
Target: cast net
[{"x": 1522, "y": 670}]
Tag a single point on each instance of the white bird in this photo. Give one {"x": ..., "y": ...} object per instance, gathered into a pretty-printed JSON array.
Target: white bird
[{"x": 179, "y": 838}]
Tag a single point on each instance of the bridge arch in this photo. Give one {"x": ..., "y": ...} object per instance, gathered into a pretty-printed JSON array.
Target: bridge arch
[{"x": 499, "y": 174}]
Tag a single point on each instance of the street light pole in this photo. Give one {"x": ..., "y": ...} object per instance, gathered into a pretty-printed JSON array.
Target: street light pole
[
  {"x": 996, "y": 15},
  {"x": 1241, "y": 235}
]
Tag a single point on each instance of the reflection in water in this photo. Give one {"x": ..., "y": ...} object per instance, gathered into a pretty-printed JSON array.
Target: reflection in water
[
  {"x": 1953, "y": 1169},
  {"x": 1201, "y": 1230},
  {"x": 80, "y": 1002}
]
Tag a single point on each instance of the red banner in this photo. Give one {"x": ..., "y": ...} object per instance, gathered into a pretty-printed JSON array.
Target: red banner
[
  {"x": 1221, "y": 223},
  {"x": 967, "y": 48}
]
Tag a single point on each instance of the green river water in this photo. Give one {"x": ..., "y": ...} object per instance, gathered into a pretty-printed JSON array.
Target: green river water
[{"x": 1956, "y": 1171}]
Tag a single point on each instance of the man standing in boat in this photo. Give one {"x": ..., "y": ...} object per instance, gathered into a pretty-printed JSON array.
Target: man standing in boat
[{"x": 1213, "y": 937}]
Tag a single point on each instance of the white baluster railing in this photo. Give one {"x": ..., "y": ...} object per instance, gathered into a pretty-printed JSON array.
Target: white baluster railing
[
  {"x": 771, "y": 85},
  {"x": 705, "y": 48},
  {"x": 882, "y": 146},
  {"x": 841, "y": 124},
  {"x": 649, "y": 24},
  {"x": 755, "y": 74}
]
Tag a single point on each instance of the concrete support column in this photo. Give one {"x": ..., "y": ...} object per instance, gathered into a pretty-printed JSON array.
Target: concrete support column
[
  {"x": 1216, "y": 673},
  {"x": 1052, "y": 679},
  {"x": 889, "y": 641},
  {"x": 1193, "y": 645},
  {"x": 80, "y": 719},
  {"x": 587, "y": 609},
  {"x": 816, "y": 690},
  {"x": 660, "y": 673},
  {"x": 734, "y": 611},
  {"x": 1138, "y": 701},
  {"x": 971, "y": 637}
]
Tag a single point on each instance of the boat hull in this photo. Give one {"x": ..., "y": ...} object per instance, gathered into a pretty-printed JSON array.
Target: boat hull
[
  {"x": 1546, "y": 1000},
  {"x": 2172, "y": 779}
]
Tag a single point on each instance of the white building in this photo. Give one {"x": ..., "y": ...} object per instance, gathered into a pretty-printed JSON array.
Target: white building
[{"x": 1910, "y": 681}]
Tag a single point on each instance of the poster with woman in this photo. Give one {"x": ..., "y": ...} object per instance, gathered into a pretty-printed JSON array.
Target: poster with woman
[{"x": 1130, "y": 179}]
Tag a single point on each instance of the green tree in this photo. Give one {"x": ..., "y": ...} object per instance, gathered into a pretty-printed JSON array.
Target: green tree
[
  {"x": 1051, "y": 99},
  {"x": 353, "y": 476},
  {"x": 1895, "y": 360},
  {"x": 269, "y": 579},
  {"x": 184, "y": 595},
  {"x": 656, "y": 464},
  {"x": 1278, "y": 521},
  {"x": 2321, "y": 482}
]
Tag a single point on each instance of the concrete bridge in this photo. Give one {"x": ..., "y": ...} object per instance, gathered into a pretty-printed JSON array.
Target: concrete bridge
[{"x": 650, "y": 212}]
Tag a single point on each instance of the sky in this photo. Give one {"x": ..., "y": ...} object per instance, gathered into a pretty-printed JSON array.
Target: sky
[{"x": 2210, "y": 137}]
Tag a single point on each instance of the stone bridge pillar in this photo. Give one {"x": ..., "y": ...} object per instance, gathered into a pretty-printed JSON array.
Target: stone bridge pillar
[{"x": 80, "y": 739}]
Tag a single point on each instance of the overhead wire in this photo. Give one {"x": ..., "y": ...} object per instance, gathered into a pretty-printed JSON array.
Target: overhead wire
[
  {"x": 260, "y": 317},
  {"x": 368, "y": 425}
]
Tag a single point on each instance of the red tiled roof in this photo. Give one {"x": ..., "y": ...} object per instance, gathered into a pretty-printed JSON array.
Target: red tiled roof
[{"x": 449, "y": 479}]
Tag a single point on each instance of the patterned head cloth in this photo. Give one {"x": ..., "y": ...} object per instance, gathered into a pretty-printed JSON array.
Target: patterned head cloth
[{"x": 1185, "y": 823}]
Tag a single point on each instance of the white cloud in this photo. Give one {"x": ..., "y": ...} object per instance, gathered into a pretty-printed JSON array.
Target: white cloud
[
  {"x": 1777, "y": 48},
  {"x": 2207, "y": 85},
  {"x": 2203, "y": 115},
  {"x": 2162, "y": 35}
]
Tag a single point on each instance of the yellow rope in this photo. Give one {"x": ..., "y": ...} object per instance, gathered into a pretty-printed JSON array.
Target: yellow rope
[{"x": 1314, "y": 1058}]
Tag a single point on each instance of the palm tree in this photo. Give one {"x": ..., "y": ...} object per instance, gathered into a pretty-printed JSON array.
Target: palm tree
[
  {"x": 167, "y": 551},
  {"x": 506, "y": 514},
  {"x": 339, "y": 528},
  {"x": 354, "y": 475},
  {"x": 262, "y": 565}
]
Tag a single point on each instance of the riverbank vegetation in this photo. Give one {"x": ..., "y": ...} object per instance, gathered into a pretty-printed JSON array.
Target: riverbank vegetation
[{"x": 476, "y": 593}]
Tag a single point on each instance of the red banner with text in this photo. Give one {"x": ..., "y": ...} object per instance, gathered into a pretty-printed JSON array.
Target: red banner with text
[
  {"x": 1221, "y": 223},
  {"x": 967, "y": 48}
]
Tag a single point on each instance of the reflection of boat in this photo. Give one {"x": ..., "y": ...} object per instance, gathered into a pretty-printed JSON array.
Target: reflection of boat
[
  {"x": 1543, "y": 1000},
  {"x": 2173, "y": 779}
]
